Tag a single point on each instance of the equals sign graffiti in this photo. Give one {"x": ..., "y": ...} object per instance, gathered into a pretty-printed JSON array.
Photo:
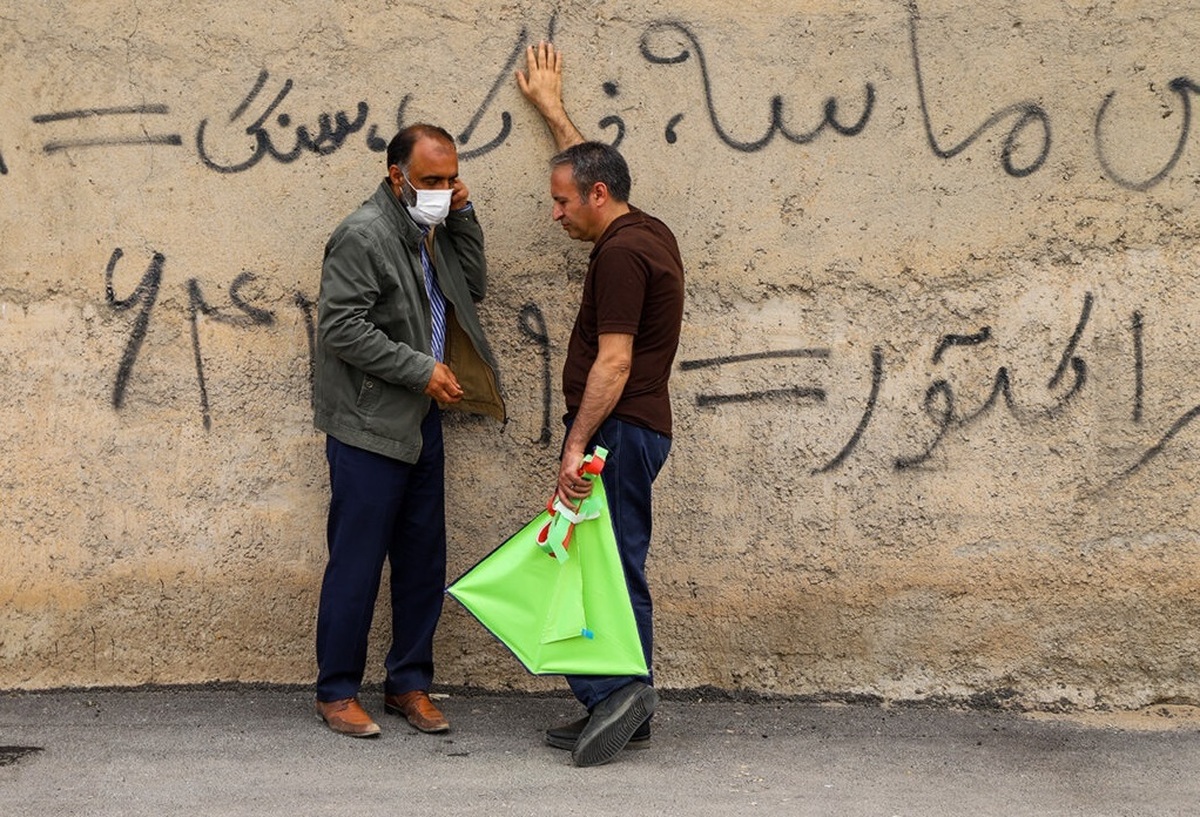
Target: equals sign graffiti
[
  {"x": 142, "y": 138},
  {"x": 786, "y": 392}
]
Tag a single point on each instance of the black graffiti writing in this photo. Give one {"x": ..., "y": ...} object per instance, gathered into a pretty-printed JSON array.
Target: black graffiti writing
[
  {"x": 1137, "y": 330},
  {"x": 377, "y": 143},
  {"x": 333, "y": 129},
  {"x": 532, "y": 324},
  {"x": 331, "y": 133},
  {"x": 502, "y": 79},
  {"x": 10, "y": 755},
  {"x": 949, "y": 341},
  {"x": 864, "y": 420},
  {"x": 942, "y": 416},
  {"x": 1025, "y": 114},
  {"x": 786, "y": 392},
  {"x": 773, "y": 354},
  {"x": 307, "y": 311},
  {"x": 611, "y": 89},
  {"x": 1068, "y": 356},
  {"x": 777, "y": 125},
  {"x": 259, "y": 127},
  {"x": 195, "y": 305},
  {"x": 240, "y": 313},
  {"x": 1184, "y": 88},
  {"x": 1158, "y": 448},
  {"x": 246, "y": 315},
  {"x": 505, "y": 117},
  {"x": 139, "y": 138},
  {"x": 939, "y": 407},
  {"x": 939, "y": 402},
  {"x": 669, "y": 133},
  {"x": 144, "y": 296},
  {"x": 1139, "y": 366},
  {"x": 614, "y": 122}
]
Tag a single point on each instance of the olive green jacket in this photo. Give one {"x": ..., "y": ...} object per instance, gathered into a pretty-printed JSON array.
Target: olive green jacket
[{"x": 373, "y": 358}]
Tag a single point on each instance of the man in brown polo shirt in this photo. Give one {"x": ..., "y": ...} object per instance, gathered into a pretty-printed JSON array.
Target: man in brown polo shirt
[{"x": 615, "y": 379}]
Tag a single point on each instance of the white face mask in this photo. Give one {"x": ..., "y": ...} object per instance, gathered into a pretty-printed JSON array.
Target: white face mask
[{"x": 432, "y": 206}]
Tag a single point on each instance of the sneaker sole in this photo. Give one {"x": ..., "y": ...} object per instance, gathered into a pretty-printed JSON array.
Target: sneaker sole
[
  {"x": 569, "y": 745},
  {"x": 611, "y": 737}
]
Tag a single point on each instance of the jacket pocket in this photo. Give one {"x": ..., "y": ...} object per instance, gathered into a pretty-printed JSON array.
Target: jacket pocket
[{"x": 368, "y": 394}]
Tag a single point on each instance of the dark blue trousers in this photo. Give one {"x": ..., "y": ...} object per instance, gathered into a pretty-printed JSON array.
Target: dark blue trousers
[
  {"x": 382, "y": 508},
  {"x": 635, "y": 456}
]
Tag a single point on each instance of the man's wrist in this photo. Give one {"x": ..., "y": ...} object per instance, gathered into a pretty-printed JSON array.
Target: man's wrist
[{"x": 572, "y": 448}]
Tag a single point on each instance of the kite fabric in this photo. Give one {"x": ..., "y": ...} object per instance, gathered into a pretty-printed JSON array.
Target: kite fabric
[{"x": 555, "y": 594}]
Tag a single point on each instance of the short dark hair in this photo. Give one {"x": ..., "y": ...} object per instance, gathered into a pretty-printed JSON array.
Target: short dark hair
[
  {"x": 592, "y": 162},
  {"x": 400, "y": 149}
]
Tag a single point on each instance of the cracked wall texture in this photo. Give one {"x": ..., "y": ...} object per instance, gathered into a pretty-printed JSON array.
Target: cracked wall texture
[{"x": 936, "y": 392}]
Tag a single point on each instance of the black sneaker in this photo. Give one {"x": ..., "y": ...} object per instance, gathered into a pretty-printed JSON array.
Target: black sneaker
[
  {"x": 613, "y": 722},
  {"x": 565, "y": 736}
]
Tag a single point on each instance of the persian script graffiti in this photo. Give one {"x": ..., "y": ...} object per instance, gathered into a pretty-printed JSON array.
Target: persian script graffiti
[
  {"x": 137, "y": 137},
  {"x": 944, "y": 408},
  {"x": 145, "y": 296},
  {"x": 261, "y": 124}
]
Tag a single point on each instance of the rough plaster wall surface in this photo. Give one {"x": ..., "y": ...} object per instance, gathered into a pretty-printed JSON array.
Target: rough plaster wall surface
[{"x": 937, "y": 383}]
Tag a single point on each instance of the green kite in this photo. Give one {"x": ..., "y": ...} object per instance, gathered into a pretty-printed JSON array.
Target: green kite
[{"x": 555, "y": 592}]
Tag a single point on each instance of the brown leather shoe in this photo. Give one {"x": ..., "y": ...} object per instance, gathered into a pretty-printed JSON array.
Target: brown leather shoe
[
  {"x": 416, "y": 707},
  {"x": 347, "y": 717}
]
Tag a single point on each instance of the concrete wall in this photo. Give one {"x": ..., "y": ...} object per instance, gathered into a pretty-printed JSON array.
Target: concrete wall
[{"x": 935, "y": 393}]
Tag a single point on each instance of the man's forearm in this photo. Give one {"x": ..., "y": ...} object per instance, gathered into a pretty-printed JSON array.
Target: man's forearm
[
  {"x": 605, "y": 383},
  {"x": 562, "y": 129},
  {"x": 600, "y": 397}
]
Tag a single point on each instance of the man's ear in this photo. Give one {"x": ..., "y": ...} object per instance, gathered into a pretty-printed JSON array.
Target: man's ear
[
  {"x": 397, "y": 180},
  {"x": 599, "y": 194}
]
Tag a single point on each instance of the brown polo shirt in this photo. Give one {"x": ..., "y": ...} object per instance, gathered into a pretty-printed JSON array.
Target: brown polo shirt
[{"x": 634, "y": 286}]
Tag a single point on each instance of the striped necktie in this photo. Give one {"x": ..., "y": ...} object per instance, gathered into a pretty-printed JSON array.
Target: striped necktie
[{"x": 437, "y": 301}]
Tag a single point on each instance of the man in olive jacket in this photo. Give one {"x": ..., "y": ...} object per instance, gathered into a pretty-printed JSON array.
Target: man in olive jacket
[{"x": 398, "y": 340}]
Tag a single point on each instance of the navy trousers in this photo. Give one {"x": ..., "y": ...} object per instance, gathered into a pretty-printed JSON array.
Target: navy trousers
[
  {"x": 635, "y": 456},
  {"x": 382, "y": 508}
]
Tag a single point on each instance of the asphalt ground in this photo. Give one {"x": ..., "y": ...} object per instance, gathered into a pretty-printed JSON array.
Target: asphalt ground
[{"x": 262, "y": 751}]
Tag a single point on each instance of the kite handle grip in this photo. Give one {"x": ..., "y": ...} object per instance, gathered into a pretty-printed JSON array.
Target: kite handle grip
[
  {"x": 593, "y": 463},
  {"x": 555, "y": 536}
]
